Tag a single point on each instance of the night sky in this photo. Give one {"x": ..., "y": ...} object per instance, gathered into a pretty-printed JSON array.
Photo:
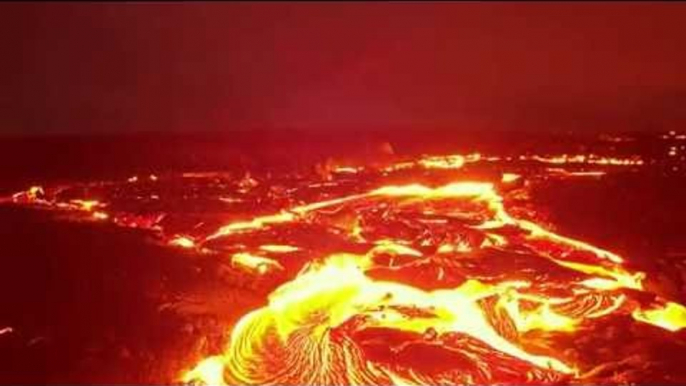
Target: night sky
[{"x": 123, "y": 68}]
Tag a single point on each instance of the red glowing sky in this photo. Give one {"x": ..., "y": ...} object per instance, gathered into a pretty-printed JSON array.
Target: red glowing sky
[{"x": 108, "y": 67}]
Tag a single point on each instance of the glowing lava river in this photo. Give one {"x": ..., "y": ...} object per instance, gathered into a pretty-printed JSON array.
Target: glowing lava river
[{"x": 430, "y": 271}]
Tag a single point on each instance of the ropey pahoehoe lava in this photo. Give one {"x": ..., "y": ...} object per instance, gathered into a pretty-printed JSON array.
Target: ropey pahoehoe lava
[{"x": 412, "y": 272}]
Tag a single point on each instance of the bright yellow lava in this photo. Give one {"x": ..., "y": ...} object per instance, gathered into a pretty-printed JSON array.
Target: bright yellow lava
[
  {"x": 358, "y": 318},
  {"x": 182, "y": 241},
  {"x": 670, "y": 316},
  {"x": 291, "y": 340},
  {"x": 255, "y": 263}
]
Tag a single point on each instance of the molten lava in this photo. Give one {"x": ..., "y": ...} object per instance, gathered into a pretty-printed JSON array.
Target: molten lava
[{"x": 413, "y": 283}]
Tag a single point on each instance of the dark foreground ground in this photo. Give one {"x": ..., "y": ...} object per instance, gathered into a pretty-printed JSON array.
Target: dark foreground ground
[{"x": 92, "y": 303}]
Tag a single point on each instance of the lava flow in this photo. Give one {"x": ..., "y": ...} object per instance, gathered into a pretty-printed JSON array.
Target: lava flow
[{"x": 415, "y": 272}]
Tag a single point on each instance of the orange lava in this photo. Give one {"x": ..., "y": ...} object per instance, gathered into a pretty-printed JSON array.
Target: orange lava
[{"x": 432, "y": 284}]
